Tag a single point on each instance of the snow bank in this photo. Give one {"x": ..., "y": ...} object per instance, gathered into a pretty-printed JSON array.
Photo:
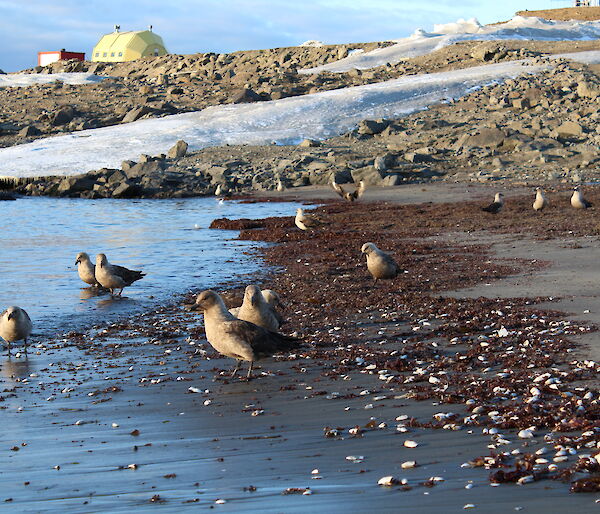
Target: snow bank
[
  {"x": 422, "y": 43},
  {"x": 285, "y": 121},
  {"x": 30, "y": 79}
]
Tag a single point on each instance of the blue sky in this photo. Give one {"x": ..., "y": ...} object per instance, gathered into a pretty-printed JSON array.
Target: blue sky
[{"x": 190, "y": 26}]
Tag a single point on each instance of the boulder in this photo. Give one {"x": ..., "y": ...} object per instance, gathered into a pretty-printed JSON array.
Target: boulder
[
  {"x": 369, "y": 175},
  {"x": 309, "y": 143},
  {"x": 63, "y": 116},
  {"x": 77, "y": 184},
  {"x": 486, "y": 138},
  {"x": 569, "y": 129},
  {"x": 29, "y": 130},
  {"x": 244, "y": 96},
  {"x": 588, "y": 90},
  {"x": 341, "y": 176},
  {"x": 136, "y": 113},
  {"x": 372, "y": 127},
  {"x": 126, "y": 190},
  {"x": 178, "y": 150}
]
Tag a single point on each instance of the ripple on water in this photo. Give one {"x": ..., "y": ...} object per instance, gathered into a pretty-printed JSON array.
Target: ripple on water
[{"x": 42, "y": 236}]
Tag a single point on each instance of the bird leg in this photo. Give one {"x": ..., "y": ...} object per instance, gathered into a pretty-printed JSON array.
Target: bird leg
[
  {"x": 237, "y": 366},
  {"x": 8, "y": 345},
  {"x": 25, "y": 340},
  {"x": 249, "y": 376}
]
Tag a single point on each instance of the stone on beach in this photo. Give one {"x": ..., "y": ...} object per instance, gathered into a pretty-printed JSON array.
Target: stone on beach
[{"x": 15, "y": 325}]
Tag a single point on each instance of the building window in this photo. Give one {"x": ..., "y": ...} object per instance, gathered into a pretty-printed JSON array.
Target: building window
[
  {"x": 104, "y": 54},
  {"x": 112, "y": 54},
  {"x": 120, "y": 54},
  {"x": 156, "y": 52},
  {"x": 97, "y": 54}
]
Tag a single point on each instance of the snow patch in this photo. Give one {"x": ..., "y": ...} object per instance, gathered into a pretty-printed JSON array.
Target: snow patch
[
  {"x": 422, "y": 42},
  {"x": 31, "y": 79}
]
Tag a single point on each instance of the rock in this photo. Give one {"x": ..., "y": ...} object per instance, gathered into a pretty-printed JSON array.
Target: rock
[
  {"x": 217, "y": 173},
  {"x": 342, "y": 176},
  {"x": 28, "y": 131},
  {"x": 372, "y": 127},
  {"x": 417, "y": 157},
  {"x": 63, "y": 116},
  {"x": 126, "y": 190},
  {"x": 486, "y": 138},
  {"x": 77, "y": 184},
  {"x": 309, "y": 143},
  {"x": 369, "y": 175},
  {"x": 484, "y": 52},
  {"x": 144, "y": 168},
  {"x": 521, "y": 103},
  {"x": 384, "y": 162},
  {"x": 136, "y": 113},
  {"x": 176, "y": 91},
  {"x": 127, "y": 165},
  {"x": 178, "y": 150},
  {"x": 391, "y": 180},
  {"x": 569, "y": 129},
  {"x": 588, "y": 90},
  {"x": 244, "y": 96}
]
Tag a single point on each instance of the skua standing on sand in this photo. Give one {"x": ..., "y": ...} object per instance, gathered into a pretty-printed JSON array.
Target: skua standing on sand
[
  {"x": 496, "y": 206},
  {"x": 240, "y": 340},
  {"x": 255, "y": 309},
  {"x": 111, "y": 276},
  {"x": 349, "y": 197},
  {"x": 306, "y": 221},
  {"x": 15, "y": 325},
  {"x": 381, "y": 265},
  {"x": 540, "y": 201},
  {"x": 578, "y": 201},
  {"x": 86, "y": 270}
]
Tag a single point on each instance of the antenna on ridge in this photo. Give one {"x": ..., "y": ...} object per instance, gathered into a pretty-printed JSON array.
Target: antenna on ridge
[
  {"x": 117, "y": 28},
  {"x": 150, "y": 28}
]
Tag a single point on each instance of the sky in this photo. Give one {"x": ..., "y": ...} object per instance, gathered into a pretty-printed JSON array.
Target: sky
[{"x": 191, "y": 26}]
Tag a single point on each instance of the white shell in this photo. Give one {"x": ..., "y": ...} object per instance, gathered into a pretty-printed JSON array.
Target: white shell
[{"x": 410, "y": 444}]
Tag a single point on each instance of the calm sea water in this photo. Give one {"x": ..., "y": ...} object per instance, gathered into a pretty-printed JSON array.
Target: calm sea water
[{"x": 167, "y": 239}]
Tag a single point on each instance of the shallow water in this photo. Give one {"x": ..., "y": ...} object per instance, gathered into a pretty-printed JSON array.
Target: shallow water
[{"x": 41, "y": 237}]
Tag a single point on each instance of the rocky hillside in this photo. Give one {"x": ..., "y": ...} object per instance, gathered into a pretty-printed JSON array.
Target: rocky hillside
[
  {"x": 172, "y": 84},
  {"x": 565, "y": 14},
  {"x": 534, "y": 129}
]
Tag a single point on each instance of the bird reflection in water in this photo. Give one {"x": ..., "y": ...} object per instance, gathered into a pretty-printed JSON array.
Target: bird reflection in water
[{"x": 15, "y": 370}]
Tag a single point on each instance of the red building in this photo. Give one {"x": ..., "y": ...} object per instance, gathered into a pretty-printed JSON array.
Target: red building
[{"x": 45, "y": 58}]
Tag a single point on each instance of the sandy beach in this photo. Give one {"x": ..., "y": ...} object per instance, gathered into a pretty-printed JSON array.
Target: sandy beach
[{"x": 142, "y": 414}]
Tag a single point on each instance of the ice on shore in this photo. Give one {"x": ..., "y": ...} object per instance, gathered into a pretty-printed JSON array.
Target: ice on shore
[
  {"x": 286, "y": 121},
  {"x": 422, "y": 42},
  {"x": 31, "y": 79}
]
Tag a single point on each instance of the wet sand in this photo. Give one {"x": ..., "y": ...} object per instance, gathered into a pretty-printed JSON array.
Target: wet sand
[{"x": 190, "y": 449}]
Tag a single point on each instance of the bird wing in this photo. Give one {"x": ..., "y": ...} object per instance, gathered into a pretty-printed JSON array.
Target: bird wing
[
  {"x": 586, "y": 203},
  {"x": 263, "y": 342},
  {"x": 360, "y": 189},
  {"x": 389, "y": 260},
  {"x": 311, "y": 221},
  {"x": 338, "y": 189},
  {"x": 128, "y": 276},
  {"x": 494, "y": 207}
]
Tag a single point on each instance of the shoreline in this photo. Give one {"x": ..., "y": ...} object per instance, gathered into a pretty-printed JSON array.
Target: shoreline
[{"x": 353, "y": 360}]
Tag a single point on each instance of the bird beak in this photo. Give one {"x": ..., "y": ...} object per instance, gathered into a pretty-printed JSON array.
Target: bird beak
[
  {"x": 195, "y": 307},
  {"x": 10, "y": 315},
  {"x": 76, "y": 262}
]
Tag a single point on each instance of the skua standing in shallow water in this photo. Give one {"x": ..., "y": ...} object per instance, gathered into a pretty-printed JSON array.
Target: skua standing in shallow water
[
  {"x": 85, "y": 269},
  {"x": 15, "y": 325},
  {"x": 496, "y": 206},
  {"x": 578, "y": 201},
  {"x": 380, "y": 264},
  {"x": 306, "y": 221},
  {"x": 349, "y": 197},
  {"x": 111, "y": 276},
  {"x": 240, "y": 340},
  {"x": 540, "y": 202}
]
